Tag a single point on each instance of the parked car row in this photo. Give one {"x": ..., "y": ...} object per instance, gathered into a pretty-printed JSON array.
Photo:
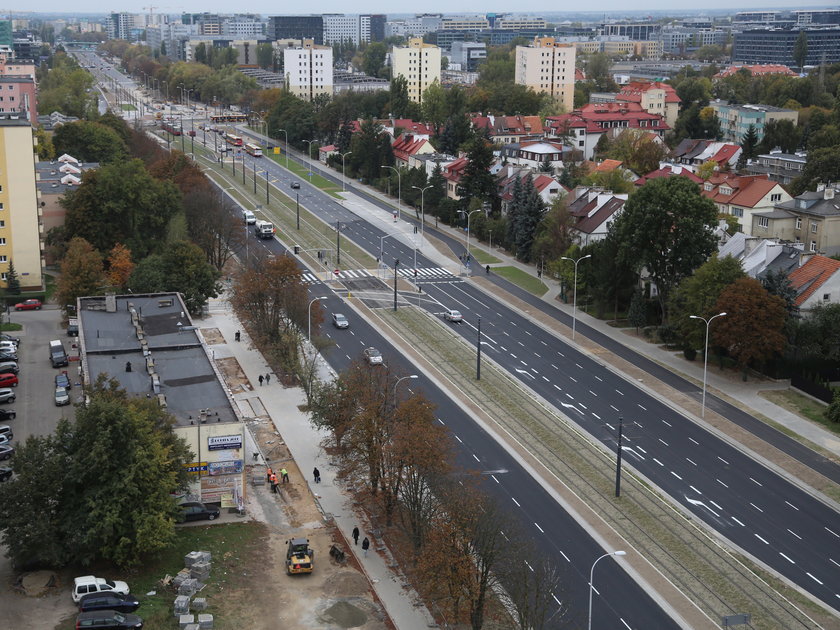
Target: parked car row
[
  {"x": 8, "y": 379},
  {"x": 104, "y": 604}
]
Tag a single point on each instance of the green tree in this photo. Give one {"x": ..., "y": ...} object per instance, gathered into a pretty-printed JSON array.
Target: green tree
[
  {"x": 637, "y": 313},
  {"x": 400, "y": 105},
  {"x": 12, "y": 280},
  {"x": 373, "y": 60},
  {"x": 265, "y": 56},
  {"x": 46, "y": 149},
  {"x": 369, "y": 151},
  {"x": 666, "y": 228},
  {"x": 524, "y": 216},
  {"x": 752, "y": 329},
  {"x": 823, "y": 165},
  {"x": 800, "y": 49},
  {"x": 294, "y": 115},
  {"x": 832, "y": 412},
  {"x": 434, "y": 106},
  {"x": 782, "y": 134},
  {"x": 89, "y": 142},
  {"x": 200, "y": 53},
  {"x": 778, "y": 283},
  {"x": 476, "y": 182},
  {"x": 182, "y": 267},
  {"x": 82, "y": 273},
  {"x": 749, "y": 144}
]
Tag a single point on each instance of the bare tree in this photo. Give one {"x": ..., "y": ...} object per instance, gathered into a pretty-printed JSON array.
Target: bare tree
[{"x": 213, "y": 224}]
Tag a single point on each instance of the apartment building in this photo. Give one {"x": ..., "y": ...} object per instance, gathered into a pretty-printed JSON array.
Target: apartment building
[
  {"x": 309, "y": 69},
  {"x": 778, "y": 166},
  {"x": 20, "y": 232},
  {"x": 812, "y": 218},
  {"x": 655, "y": 97},
  {"x": 18, "y": 94},
  {"x": 419, "y": 64},
  {"x": 353, "y": 28},
  {"x": 123, "y": 25},
  {"x": 296, "y": 27},
  {"x": 735, "y": 120},
  {"x": 744, "y": 197},
  {"x": 548, "y": 67},
  {"x": 643, "y": 30},
  {"x": 416, "y": 27}
]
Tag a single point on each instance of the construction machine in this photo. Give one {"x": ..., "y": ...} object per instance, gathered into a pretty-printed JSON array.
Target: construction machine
[{"x": 300, "y": 557}]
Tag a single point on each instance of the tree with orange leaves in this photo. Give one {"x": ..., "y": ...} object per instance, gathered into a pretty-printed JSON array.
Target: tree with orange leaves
[{"x": 120, "y": 266}]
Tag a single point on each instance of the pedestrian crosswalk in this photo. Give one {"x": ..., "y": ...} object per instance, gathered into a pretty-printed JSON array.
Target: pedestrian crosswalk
[{"x": 422, "y": 273}]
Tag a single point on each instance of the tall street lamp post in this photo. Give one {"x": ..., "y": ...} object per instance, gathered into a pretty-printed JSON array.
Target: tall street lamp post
[
  {"x": 286, "y": 135},
  {"x": 309, "y": 157},
  {"x": 574, "y": 299},
  {"x": 309, "y": 312},
  {"x": 591, "y": 575},
  {"x": 469, "y": 214},
  {"x": 399, "y": 189},
  {"x": 399, "y": 380},
  {"x": 343, "y": 174},
  {"x": 708, "y": 323},
  {"x": 423, "y": 209}
]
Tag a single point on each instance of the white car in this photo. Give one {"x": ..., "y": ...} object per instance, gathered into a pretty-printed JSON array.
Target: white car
[
  {"x": 249, "y": 217},
  {"x": 373, "y": 356},
  {"x": 61, "y": 397},
  {"x": 87, "y": 584},
  {"x": 7, "y": 395},
  {"x": 452, "y": 315}
]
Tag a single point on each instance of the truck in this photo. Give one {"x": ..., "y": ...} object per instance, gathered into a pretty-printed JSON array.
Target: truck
[
  {"x": 57, "y": 355},
  {"x": 300, "y": 557},
  {"x": 264, "y": 229}
]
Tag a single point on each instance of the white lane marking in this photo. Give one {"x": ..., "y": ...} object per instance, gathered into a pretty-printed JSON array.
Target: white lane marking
[
  {"x": 493, "y": 477},
  {"x": 756, "y": 507},
  {"x": 695, "y": 441},
  {"x": 459, "y": 439},
  {"x": 658, "y": 462},
  {"x": 668, "y": 423},
  {"x": 570, "y": 396},
  {"x": 522, "y": 372},
  {"x": 829, "y": 531},
  {"x": 538, "y": 356},
  {"x": 528, "y": 333},
  {"x": 597, "y": 417},
  {"x": 813, "y": 578},
  {"x": 615, "y": 408},
  {"x": 625, "y": 623},
  {"x": 514, "y": 356},
  {"x": 786, "y": 558},
  {"x": 545, "y": 378},
  {"x": 663, "y": 441},
  {"x": 701, "y": 504},
  {"x": 642, "y": 408},
  {"x": 441, "y": 421},
  {"x": 558, "y": 388},
  {"x": 795, "y": 534},
  {"x": 619, "y": 392},
  {"x": 521, "y": 344},
  {"x": 689, "y": 461},
  {"x": 565, "y": 556},
  {"x": 696, "y": 490},
  {"x": 676, "y": 475},
  {"x": 716, "y": 505},
  {"x": 766, "y": 542},
  {"x": 723, "y": 460},
  {"x": 600, "y": 379},
  {"x": 754, "y": 481},
  {"x": 739, "y": 522},
  {"x": 593, "y": 393},
  {"x": 503, "y": 348},
  {"x": 476, "y": 457},
  {"x": 582, "y": 405},
  {"x": 573, "y": 378},
  {"x": 555, "y": 367},
  {"x": 834, "y": 561},
  {"x": 515, "y": 501},
  {"x": 543, "y": 342},
  {"x": 542, "y": 531},
  {"x": 792, "y": 505},
  {"x": 579, "y": 365},
  {"x": 641, "y": 449}
]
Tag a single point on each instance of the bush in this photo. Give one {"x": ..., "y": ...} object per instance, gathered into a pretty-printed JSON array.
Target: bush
[
  {"x": 690, "y": 354},
  {"x": 832, "y": 413}
]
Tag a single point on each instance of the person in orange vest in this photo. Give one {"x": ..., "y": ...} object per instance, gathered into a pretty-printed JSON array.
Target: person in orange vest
[
  {"x": 268, "y": 474},
  {"x": 274, "y": 483}
]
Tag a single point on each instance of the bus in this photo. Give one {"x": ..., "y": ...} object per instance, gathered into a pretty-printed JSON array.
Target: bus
[
  {"x": 253, "y": 149},
  {"x": 172, "y": 128},
  {"x": 234, "y": 140},
  {"x": 229, "y": 118}
]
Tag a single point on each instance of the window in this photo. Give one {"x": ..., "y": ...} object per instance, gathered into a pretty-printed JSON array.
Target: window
[
  {"x": 4, "y": 276},
  {"x": 813, "y": 227},
  {"x": 776, "y": 197},
  {"x": 798, "y": 223},
  {"x": 826, "y": 297},
  {"x": 737, "y": 212},
  {"x": 763, "y": 222},
  {"x": 813, "y": 247},
  {"x": 4, "y": 259}
]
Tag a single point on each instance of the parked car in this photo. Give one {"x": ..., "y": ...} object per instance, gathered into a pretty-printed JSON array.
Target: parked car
[
  {"x": 5, "y": 473},
  {"x": 373, "y": 356},
  {"x": 62, "y": 380},
  {"x": 8, "y": 360},
  {"x": 61, "y": 397},
  {"x": 8, "y": 346},
  {"x": 195, "y": 511},
  {"x": 107, "y": 620},
  {"x": 452, "y": 315},
  {"x": 7, "y": 395},
  {"x": 295, "y": 185},
  {"x": 6, "y": 451},
  {"x": 14, "y": 340},
  {"x": 28, "y": 305},
  {"x": 109, "y": 600},
  {"x": 7, "y": 414},
  {"x": 339, "y": 321},
  {"x": 90, "y": 584},
  {"x": 6, "y": 430},
  {"x": 8, "y": 380}
]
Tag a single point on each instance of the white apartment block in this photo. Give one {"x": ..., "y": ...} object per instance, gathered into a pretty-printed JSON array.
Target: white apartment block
[
  {"x": 120, "y": 25},
  {"x": 520, "y": 22},
  {"x": 465, "y": 23},
  {"x": 342, "y": 28},
  {"x": 419, "y": 63},
  {"x": 419, "y": 26},
  {"x": 309, "y": 70},
  {"x": 548, "y": 67},
  {"x": 243, "y": 29}
]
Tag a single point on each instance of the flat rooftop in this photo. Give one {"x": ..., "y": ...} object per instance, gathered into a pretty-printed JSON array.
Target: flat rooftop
[{"x": 149, "y": 344}]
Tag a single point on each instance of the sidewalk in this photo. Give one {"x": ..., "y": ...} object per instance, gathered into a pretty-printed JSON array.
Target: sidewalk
[{"x": 282, "y": 404}]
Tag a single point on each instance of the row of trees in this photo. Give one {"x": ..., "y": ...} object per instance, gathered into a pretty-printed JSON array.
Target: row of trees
[{"x": 466, "y": 549}]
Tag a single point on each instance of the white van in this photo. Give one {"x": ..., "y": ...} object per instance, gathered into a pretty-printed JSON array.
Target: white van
[{"x": 249, "y": 217}]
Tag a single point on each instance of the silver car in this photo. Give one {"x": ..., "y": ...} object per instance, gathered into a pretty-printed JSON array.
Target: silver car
[
  {"x": 61, "y": 397},
  {"x": 7, "y": 395},
  {"x": 373, "y": 356}
]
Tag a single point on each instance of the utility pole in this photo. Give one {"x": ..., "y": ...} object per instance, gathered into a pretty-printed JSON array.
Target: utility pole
[
  {"x": 338, "y": 243},
  {"x": 396, "y": 264},
  {"x": 618, "y": 457},
  {"x": 478, "y": 353}
]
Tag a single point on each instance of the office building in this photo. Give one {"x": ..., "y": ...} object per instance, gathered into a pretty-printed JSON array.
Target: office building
[
  {"x": 309, "y": 70},
  {"x": 776, "y": 46},
  {"x": 464, "y": 23},
  {"x": 123, "y": 25},
  {"x": 822, "y": 16},
  {"x": 353, "y": 28},
  {"x": 519, "y": 23},
  {"x": 548, "y": 67},
  {"x": 297, "y": 27},
  {"x": 419, "y": 64},
  {"x": 467, "y": 55},
  {"x": 735, "y": 120},
  {"x": 419, "y": 26},
  {"x": 20, "y": 231},
  {"x": 242, "y": 28},
  {"x": 644, "y": 30}
]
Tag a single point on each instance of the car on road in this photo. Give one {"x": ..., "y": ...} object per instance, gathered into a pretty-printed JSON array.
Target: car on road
[
  {"x": 295, "y": 185},
  {"x": 7, "y": 414},
  {"x": 452, "y": 315},
  {"x": 191, "y": 133},
  {"x": 340, "y": 321},
  {"x": 62, "y": 380},
  {"x": 86, "y": 584},
  {"x": 107, "y": 620},
  {"x": 109, "y": 601},
  {"x": 7, "y": 395},
  {"x": 5, "y": 473},
  {"x": 8, "y": 380},
  {"x": 6, "y": 451},
  {"x": 195, "y": 511},
  {"x": 61, "y": 397},
  {"x": 28, "y": 305},
  {"x": 373, "y": 356},
  {"x": 249, "y": 217}
]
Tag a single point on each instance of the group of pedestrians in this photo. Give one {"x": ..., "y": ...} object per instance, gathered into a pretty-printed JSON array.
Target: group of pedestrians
[
  {"x": 266, "y": 378},
  {"x": 365, "y": 542},
  {"x": 274, "y": 480}
]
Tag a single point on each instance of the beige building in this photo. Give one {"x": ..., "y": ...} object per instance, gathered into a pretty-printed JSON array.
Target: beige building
[
  {"x": 20, "y": 231},
  {"x": 419, "y": 64},
  {"x": 520, "y": 22},
  {"x": 548, "y": 67},
  {"x": 309, "y": 70},
  {"x": 464, "y": 23},
  {"x": 812, "y": 218}
]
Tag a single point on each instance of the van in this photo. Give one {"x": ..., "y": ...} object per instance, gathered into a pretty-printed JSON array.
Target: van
[
  {"x": 73, "y": 327},
  {"x": 57, "y": 355},
  {"x": 249, "y": 217}
]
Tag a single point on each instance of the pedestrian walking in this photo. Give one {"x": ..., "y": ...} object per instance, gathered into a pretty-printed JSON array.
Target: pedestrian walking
[
  {"x": 236, "y": 336},
  {"x": 317, "y": 474},
  {"x": 356, "y": 535},
  {"x": 261, "y": 380},
  {"x": 268, "y": 474},
  {"x": 267, "y": 378},
  {"x": 365, "y": 546},
  {"x": 284, "y": 475}
]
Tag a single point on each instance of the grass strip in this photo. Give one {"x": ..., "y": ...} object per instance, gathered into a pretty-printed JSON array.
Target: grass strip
[{"x": 522, "y": 279}]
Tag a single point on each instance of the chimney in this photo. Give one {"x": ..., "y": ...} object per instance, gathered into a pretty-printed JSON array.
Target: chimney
[{"x": 828, "y": 192}]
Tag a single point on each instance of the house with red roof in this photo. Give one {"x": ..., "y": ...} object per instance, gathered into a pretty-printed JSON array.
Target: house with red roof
[
  {"x": 452, "y": 173},
  {"x": 655, "y": 97},
  {"x": 594, "y": 211},
  {"x": 816, "y": 282},
  {"x": 507, "y": 129},
  {"x": 742, "y": 196},
  {"x": 398, "y": 126},
  {"x": 694, "y": 152},
  {"x": 583, "y": 127},
  {"x": 547, "y": 187},
  {"x": 757, "y": 71},
  {"x": 407, "y": 146},
  {"x": 669, "y": 170}
]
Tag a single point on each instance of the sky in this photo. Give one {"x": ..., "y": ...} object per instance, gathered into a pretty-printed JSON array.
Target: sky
[{"x": 542, "y": 7}]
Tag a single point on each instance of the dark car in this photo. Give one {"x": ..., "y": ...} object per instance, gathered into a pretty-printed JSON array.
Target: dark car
[
  {"x": 6, "y": 451},
  {"x": 295, "y": 185},
  {"x": 196, "y": 511},
  {"x": 5, "y": 473},
  {"x": 8, "y": 364},
  {"x": 107, "y": 620},
  {"x": 109, "y": 601},
  {"x": 62, "y": 380},
  {"x": 7, "y": 414}
]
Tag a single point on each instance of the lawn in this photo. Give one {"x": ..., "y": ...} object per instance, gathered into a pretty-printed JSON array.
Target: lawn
[
  {"x": 482, "y": 256},
  {"x": 127, "y": 107},
  {"x": 303, "y": 172},
  {"x": 521, "y": 279},
  {"x": 802, "y": 406},
  {"x": 235, "y": 549}
]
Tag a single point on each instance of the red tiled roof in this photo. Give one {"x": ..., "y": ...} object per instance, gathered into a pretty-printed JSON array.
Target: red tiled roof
[
  {"x": 811, "y": 276},
  {"x": 726, "y": 153},
  {"x": 599, "y": 117},
  {"x": 747, "y": 190},
  {"x": 607, "y": 166},
  {"x": 580, "y": 75},
  {"x": 407, "y": 145},
  {"x": 632, "y": 92},
  {"x": 327, "y": 149},
  {"x": 667, "y": 171},
  {"x": 455, "y": 169},
  {"x": 406, "y": 124},
  {"x": 757, "y": 70}
]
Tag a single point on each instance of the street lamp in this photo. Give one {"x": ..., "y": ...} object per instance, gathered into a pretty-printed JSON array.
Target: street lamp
[
  {"x": 469, "y": 214},
  {"x": 399, "y": 189},
  {"x": 309, "y": 313},
  {"x": 708, "y": 323},
  {"x": 343, "y": 175},
  {"x": 286, "y": 134},
  {"x": 591, "y": 575},
  {"x": 574, "y": 299},
  {"x": 398, "y": 382},
  {"x": 309, "y": 157},
  {"x": 423, "y": 209}
]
